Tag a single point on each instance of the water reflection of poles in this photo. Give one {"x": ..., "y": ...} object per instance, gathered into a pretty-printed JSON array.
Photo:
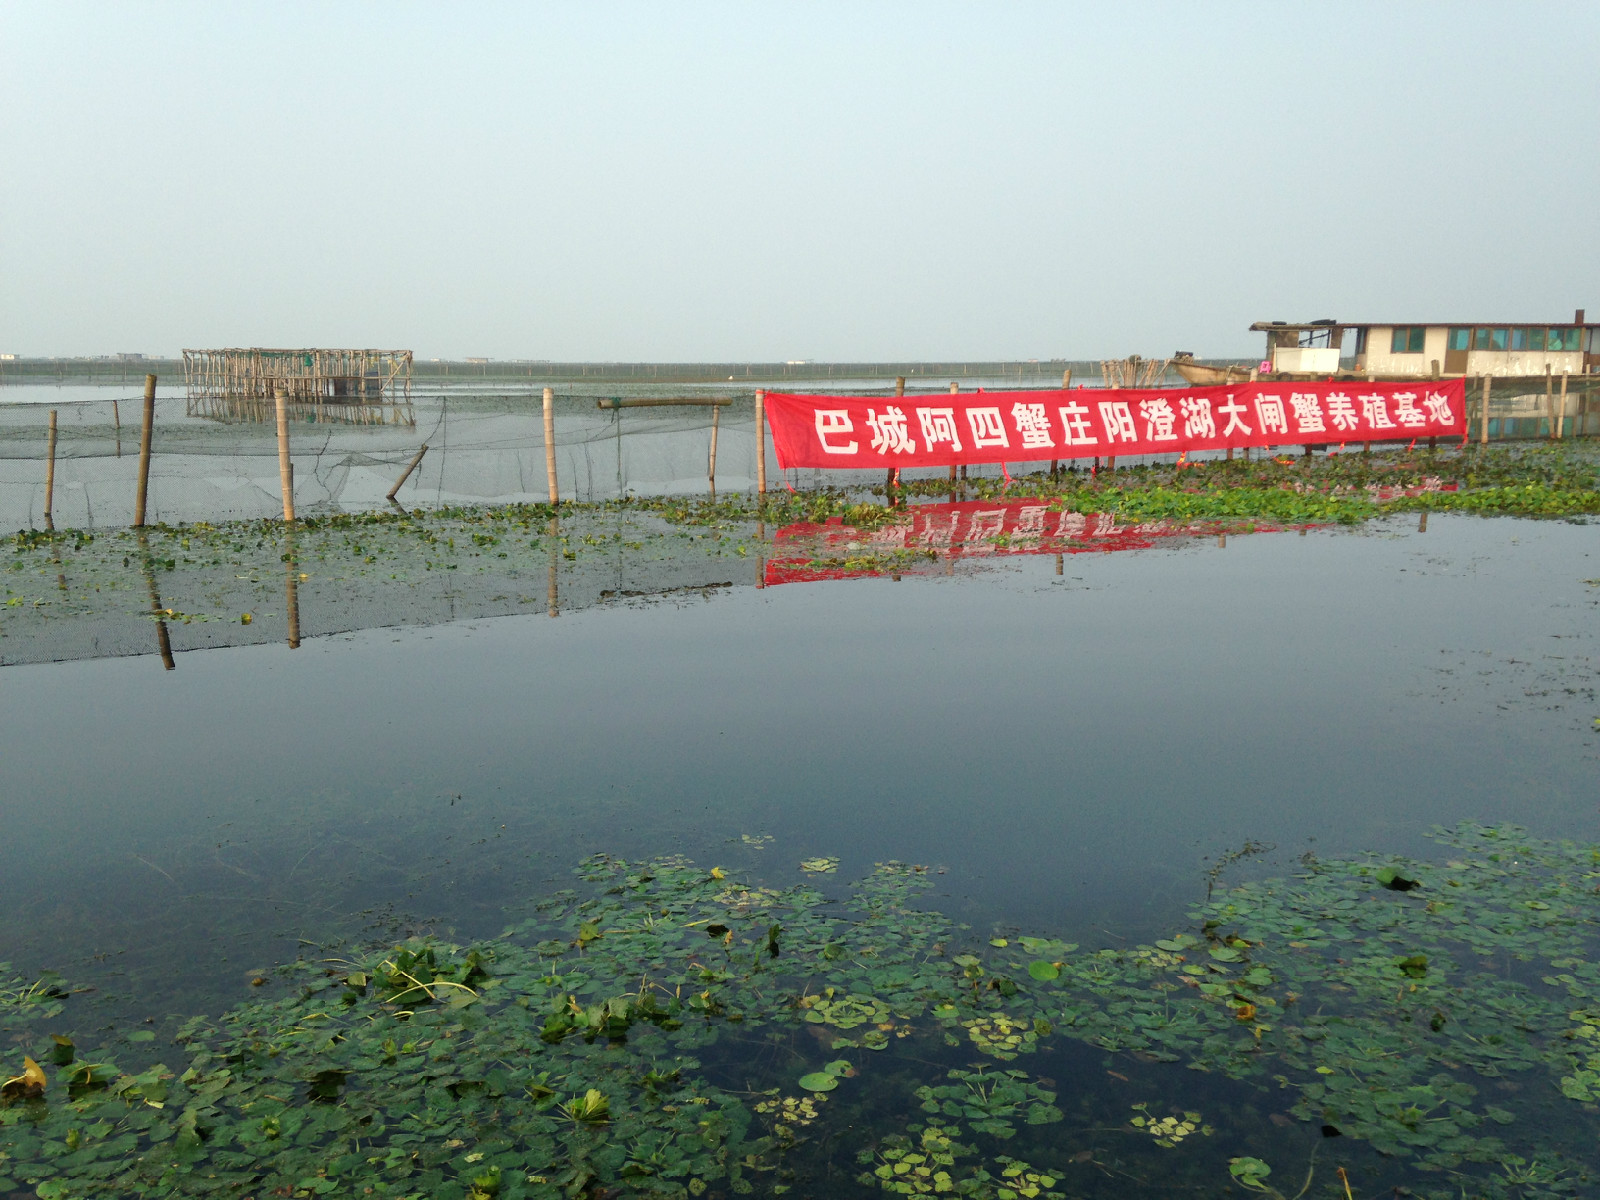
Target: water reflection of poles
[
  {"x": 163, "y": 638},
  {"x": 555, "y": 566},
  {"x": 761, "y": 554},
  {"x": 291, "y": 588}
]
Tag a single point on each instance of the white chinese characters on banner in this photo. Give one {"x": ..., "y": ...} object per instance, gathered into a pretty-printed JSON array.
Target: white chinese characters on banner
[
  {"x": 1197, "y": 420},
  {"x": 1158, "y": 420},
  {"x": 987, "y": 428},
  {"x": 1342, "y": 412},
  {"x": 1269, "y": 411},
  {"x": 1375, "y": 412},
  {"x": 1118, "y": 421},
  {"x": 1307, "y": 412},
  {"x": 939, "y": 425},
  {"x": 1233, "y": 408},
  {"x": 1075, "y": 426},
  {"x": 1033, "y": 425},
  {"x": 832, "y": 422},
  {"x": 889, "y": 433}
]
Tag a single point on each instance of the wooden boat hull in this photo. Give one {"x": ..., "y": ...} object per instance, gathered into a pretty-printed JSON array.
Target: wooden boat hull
[{"x": 1203, "y": 376}]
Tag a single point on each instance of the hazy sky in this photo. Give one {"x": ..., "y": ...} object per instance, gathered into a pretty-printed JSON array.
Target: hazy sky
[{"x": 755, "y": 181}]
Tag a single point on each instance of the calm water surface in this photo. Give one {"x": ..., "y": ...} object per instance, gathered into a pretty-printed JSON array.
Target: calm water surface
[{"x": 1073, "y": 752}]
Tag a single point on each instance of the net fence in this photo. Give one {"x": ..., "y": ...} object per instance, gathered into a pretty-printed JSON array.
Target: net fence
[{"x": 485, "y": 445}]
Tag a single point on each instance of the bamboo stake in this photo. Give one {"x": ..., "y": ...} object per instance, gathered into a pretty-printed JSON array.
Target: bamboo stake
[
  {"x": 1484, "y": 439},
  {"x": 406, "y": 474},
  {"x": 50, "y": 475},
  {"x": 1561, "y": 409},
  {"x": 1550, "y": 400},
  {"x": 116, "y": 420},
  {"x": 761, "y": 442},
  {"x": 550, "y": 455},
  {"x": 711, "y": 466},
  {"x": 285, "y": 469},
  {"x": 144, "y": 450}
]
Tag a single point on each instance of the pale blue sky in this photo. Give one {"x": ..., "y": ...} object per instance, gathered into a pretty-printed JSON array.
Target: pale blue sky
[{"x": 754, "y": 181}]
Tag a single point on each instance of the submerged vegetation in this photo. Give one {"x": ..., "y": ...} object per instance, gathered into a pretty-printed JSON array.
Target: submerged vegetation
[{"x": 669, "y": 1029}]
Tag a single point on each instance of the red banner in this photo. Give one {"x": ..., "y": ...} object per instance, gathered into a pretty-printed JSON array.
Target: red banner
[{"x": 996, "y": 427}]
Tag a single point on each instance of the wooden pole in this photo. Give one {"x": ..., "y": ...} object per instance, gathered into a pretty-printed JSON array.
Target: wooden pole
[
  {"x": 116, "y": 421},
  {"x": 550, "y": 453},
  {"x": 1561, "y": 407},
  {"x": 285, "y": 471},
  {"x": 50, "y": 474},
  {"x": 406, "y": 474},
  {"x": 144, "y": 449},
  {"x": 1484, "y": 437},
  {"x": 761, "y": 442},
  {"x": 711, "y": 466},
  {"x": 1550, "y": 399}
]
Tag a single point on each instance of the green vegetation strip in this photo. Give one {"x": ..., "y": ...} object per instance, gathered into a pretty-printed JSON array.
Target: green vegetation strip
[{"x": 672, "y": 1030}]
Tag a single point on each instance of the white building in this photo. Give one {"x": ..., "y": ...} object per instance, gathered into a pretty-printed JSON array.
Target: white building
[{"x": 1436, "y": 348}]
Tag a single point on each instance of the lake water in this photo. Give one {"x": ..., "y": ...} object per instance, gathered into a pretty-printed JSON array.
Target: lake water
[{"x": 1070, "y": 754}]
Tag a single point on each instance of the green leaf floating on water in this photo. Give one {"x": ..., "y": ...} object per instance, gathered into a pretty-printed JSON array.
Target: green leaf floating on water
[
  {"x": 1430, "y": 1030},
  {"x": 826, "y": 1079}
]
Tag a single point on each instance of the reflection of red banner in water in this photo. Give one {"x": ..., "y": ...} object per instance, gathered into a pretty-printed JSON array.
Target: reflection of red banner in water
[
  {"x": 978, "y": 529},
  {"x": 973, "y": 529},
  {"x": 998, "y": 427}
]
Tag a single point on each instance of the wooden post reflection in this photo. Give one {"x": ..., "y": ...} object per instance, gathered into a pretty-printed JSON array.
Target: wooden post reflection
[
  {"x": 761, "y": 554},
  {"x": 1060, "y": 565},
  {"x": 291, "y": 587},
  {"x": 163, "y": 638},
  {"x": 555, "y": 566},
  {"x": 1422, "y": 522}
]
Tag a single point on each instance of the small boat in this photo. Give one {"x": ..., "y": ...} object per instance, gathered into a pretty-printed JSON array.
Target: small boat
[{"x": 1204, "y": 376}]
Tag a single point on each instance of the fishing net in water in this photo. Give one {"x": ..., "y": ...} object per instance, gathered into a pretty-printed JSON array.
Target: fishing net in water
[{"x": 485, "y": 446}]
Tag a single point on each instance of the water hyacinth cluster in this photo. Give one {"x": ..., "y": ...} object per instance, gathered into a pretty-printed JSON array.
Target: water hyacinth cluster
[{"x": 667, "y": 1029}]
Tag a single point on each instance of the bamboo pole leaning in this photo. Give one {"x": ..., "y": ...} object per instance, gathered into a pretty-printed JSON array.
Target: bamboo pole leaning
[
  {"x": 406, "y": 474},
  {"x": 50, "y": 476}
]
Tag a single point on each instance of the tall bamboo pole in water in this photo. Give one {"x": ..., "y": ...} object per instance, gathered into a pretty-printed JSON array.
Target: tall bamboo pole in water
[
  {"x": 50, "y": 475},
  {"x": 761, "y": 443},
  {"x": 1484, "y": 437},
  {"x": 285, "y": 471},
  {"x": 144, "y": 449},
  {"x": 550, "y": 446},
  {"x": 711, "y": 466}
]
